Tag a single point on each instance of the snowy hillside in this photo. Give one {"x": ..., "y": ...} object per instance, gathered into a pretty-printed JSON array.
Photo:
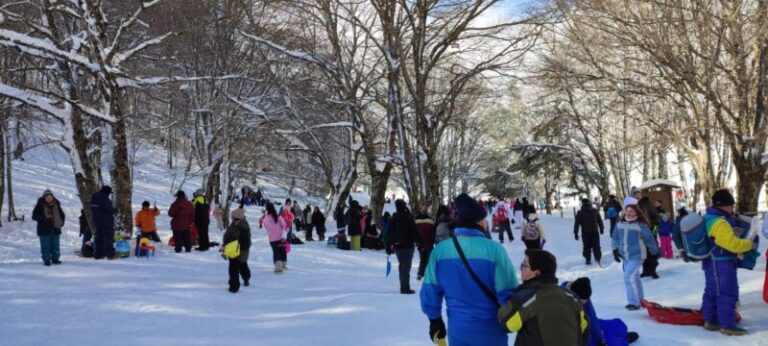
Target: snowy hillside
[{"x": 327, "y": 297}]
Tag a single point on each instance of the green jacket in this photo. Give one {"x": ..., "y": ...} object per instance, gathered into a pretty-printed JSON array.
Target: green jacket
[
  {"x": 239, "y": 230},
  {"x": 543, "y": 313}
]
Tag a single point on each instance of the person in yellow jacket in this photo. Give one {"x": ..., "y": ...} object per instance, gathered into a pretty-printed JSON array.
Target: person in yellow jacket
[
  {"x": 145, "y": 222},
  {"x": 721, "y": 290}
]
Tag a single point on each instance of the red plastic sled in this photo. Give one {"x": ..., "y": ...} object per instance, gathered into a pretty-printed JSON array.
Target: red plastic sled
[{"x": 674, "y": 315}]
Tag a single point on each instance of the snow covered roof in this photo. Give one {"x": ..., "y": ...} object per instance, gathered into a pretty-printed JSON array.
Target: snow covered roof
[{"x": 658, "y": 182}]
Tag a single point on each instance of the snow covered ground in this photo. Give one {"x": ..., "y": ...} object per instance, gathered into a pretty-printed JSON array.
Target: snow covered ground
[{"x": 327, "y": 297}]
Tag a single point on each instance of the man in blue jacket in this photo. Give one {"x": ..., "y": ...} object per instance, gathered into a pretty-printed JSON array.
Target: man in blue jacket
[
  {"x": 103, "y": 213},
  {"x": 472, "y": 306}
]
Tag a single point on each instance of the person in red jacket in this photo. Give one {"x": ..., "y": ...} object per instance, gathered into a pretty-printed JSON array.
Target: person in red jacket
[{"x": 182, "y": 215}]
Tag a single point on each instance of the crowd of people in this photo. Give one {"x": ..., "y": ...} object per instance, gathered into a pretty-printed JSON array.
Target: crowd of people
[{"x": 460, "y": 263}]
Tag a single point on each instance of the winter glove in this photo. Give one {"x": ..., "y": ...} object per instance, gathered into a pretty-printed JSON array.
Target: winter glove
[
  {"x": 436, "y": 329},
  {"x": 390, "y": 250},
  {"x": 602, "y": 231},
  {"x": 616, "y": 256},
  {"x": 576, "y": 235}
]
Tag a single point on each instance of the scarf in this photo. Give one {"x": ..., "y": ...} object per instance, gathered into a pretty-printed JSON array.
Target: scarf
[{"x": 52, "y": 212}]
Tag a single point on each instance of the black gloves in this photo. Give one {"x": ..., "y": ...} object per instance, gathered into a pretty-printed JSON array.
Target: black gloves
[
  {"x": 436, "y": 329},
  {"x": 602, "y": 231},
  {"x": 390, "y": 250},
  {"x": 576, "y": 235},
  {"x": 616, "y": 256}
]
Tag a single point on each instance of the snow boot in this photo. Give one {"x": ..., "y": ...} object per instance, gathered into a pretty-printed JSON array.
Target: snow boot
[
  {"x": 407, "y": 291},
  {"x": 712, "y": 327},
  {"x": 733, "y": 331},
  {"x": 632, "y": 307},
  {"x": 47, "y": 262},
  {"x": 56, "y": 261},
  {"x": 278, "y": 267},
  {"x": 632, "y": 337}
]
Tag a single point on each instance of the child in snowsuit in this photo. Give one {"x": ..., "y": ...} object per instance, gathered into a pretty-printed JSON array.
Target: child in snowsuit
[
  {"x": 666, "y": 227},
  {"x": 238, "y": 267},
  {"x": 145, "y": 222},
  {"x": 601, "y": 332},
  {"x": 632, "y": 242},
  {"x": 721, "y": 292}
]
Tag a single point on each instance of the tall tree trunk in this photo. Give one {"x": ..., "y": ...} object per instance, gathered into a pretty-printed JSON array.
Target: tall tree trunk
[
  {"x": 662, "y": 159},
  {"x": 121, "y": 174}
]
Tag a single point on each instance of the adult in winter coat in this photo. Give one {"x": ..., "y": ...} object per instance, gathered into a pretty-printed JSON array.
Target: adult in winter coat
[
  {"x": 677, "y": 234},
  {"x": 651, "y": 213},
  {"x": 472, "y": 315},
  {"x": 532, "y": 233},
  {"x": 540, "y": 311},
  {"x": 401, "y": 238},
  {"x": 307, "y": 214},
  {"x": 444, "y": 229},
  {"x": 353, "y": 228},
  {"x": 182, "y": 215},
  {"x": 611, "y": 332},
  {"x": 238, "y": 267},
  {"x": 103, "y": 213},
  {"x": 50, "y": 218},
  {"x": 426, "y": 238},
  {"x": 612, "y": 209},
  {"x": 275, "y": 225},
  {"x": 518, "y": 212},
  {"x": 588, "y": 219},
  {"x": 298, "y": 219},
  {"x": 502, "y": 217},
  {"x": 721, "y": 292},
  {"x": 202, "y": 219},
  {"x": 341, "y": 220},
  {"x": 632, "y": 242},
  {"x": 318, "y": 222}
]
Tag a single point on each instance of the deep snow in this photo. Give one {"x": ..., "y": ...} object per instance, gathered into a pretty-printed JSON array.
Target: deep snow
[{"x": 327, "y": 297}]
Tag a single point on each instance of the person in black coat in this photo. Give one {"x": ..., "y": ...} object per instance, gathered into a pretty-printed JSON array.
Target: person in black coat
[
  {"x": 103, "y": 213},
  {"x": 588, "y": 219},
  {"x": 202, "y": 220},
  {"x": 401, "y": 240},
  {"x": 318, "y": 222},
  {"x": 50, "y": 218}
]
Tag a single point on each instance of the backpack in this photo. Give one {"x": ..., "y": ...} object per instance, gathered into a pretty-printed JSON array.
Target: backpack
[
  {"x": 529, "y": 231},
  {"x": 502, "y": 214},
  {"x": 696, "y": 242},
  {"x": 612, "y": 213}
]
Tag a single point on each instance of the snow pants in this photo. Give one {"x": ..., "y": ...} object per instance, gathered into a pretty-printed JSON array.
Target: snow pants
[
  {"x": 666, "y": 246},
  {"x": 613, "y": 221},
  {"x": 182, "y": 238},
  {"x": 405, "y": 261},
  {"x": 721, "y": 292},
  {"x": 505, "y": 227},
  {"x": 202, "y": 235},
  {"x": 532, "y": 244},
  {"x": 591, "y": 245},
  {"x": 105, "y": 244},
  {"x": 49, "y": 247},
  {"x": 278, "y": 251},
  {"x": 651, "y": 262},
  {"x": 632, "y": 283},
  {"x": 238, "y": 269},
  {"x": 354, "y": 243}
]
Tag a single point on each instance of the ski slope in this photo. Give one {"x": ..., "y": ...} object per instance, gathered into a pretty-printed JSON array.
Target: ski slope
[{"x": 327, "y": 296}]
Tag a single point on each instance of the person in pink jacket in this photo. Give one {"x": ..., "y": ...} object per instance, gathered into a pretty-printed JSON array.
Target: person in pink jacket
[{"x": 275, "y": 225}]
